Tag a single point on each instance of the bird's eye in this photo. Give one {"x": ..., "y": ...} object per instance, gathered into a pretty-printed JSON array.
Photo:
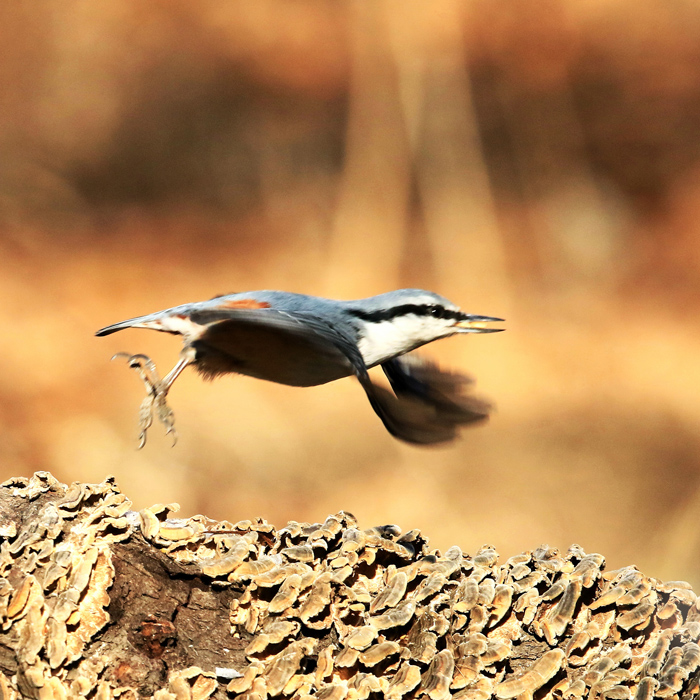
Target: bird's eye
[{"x": 437, "y": 311}]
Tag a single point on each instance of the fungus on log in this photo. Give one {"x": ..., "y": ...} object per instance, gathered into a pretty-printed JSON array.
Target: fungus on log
[{"x": 99, "y": 601}]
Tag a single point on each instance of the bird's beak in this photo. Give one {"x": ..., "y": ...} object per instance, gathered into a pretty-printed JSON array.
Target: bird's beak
[{"x": 477, "y": 324}]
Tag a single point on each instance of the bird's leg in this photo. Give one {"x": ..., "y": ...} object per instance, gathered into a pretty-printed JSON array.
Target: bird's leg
[
  {"x": 146, "y": 369},
  {"x": 157, "y": 391},
  {"x": 163, "y": 411}
]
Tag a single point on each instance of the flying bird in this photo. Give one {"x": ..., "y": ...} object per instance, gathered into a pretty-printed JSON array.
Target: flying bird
[{"x": 302, "y": 340}]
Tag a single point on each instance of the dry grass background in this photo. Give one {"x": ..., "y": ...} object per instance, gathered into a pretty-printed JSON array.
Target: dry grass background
[{"x": 534, "y": 160}]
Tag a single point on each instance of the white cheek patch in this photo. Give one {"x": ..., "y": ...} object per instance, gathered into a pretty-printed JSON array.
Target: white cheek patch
[{"x": 382, "y": 341}]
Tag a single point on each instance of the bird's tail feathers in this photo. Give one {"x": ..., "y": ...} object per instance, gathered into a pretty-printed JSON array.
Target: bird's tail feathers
[{"x": 155, "y": 324}]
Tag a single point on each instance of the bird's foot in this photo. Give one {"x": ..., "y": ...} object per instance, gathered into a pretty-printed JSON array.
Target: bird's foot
[
  {"x": 155, "y": 401},
  {"x": 165, "y": 415},
  {"x": 145, "y": 367}
]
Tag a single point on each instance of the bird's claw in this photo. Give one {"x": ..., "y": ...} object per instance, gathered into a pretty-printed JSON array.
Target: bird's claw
[
  {"x": 145, "y": 368},
  {"x": 145, "y": 418},
  {"x": 155, "y": 401},
  {"x": 165, "y": 415}
]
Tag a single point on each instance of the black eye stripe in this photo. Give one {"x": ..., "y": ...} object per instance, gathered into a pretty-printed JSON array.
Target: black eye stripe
[{"x": 405, "y": 309}]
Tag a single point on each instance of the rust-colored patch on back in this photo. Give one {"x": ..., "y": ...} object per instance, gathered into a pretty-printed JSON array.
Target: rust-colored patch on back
[{"x": 244, "y": 304}]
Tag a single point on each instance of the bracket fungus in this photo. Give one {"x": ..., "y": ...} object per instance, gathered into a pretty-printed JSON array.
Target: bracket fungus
[{"x": 97, "y": 601}]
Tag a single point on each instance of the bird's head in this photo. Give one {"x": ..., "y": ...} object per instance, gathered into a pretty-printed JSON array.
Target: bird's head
[{"x": 396, "y": 322}]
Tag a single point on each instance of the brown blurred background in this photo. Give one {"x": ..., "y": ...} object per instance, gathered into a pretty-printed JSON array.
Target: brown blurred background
[{"x": 536, "y": 160}]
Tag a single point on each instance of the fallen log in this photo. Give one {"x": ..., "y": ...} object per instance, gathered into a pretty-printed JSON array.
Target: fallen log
[{"x": 100, "y": 601}]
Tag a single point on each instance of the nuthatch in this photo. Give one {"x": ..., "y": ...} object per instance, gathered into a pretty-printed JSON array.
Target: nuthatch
[{"x": 302, "y": 340}]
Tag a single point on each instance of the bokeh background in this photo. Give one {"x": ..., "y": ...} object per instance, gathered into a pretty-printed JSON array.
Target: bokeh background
[{"x": 532, "y": 159}]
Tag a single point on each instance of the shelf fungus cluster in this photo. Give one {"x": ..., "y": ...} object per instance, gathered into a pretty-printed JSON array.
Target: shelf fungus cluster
[{"x": 326, "y": 610}]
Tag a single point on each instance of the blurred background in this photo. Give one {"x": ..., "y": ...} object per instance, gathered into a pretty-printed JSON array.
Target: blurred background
[{"x": 537, "y": 160}]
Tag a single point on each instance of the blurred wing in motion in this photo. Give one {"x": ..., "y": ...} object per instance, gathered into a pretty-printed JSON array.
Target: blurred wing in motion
[{"x": 430, "y": 404}]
